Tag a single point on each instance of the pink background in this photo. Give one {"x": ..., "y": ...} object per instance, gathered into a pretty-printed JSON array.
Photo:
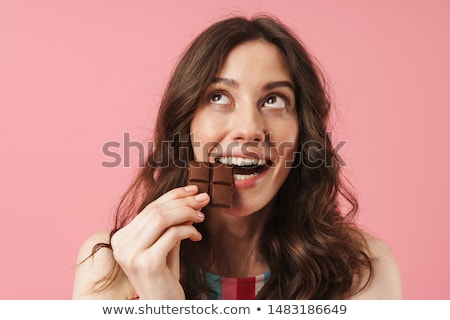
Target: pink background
[{"x": 77, "y": 74}]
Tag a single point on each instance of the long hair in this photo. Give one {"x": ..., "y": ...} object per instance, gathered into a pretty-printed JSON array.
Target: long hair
[{"x": 311, "y": 243}]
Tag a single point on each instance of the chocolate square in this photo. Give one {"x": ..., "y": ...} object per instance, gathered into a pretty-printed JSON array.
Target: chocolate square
[
  {"x": 214, "y": 178},
  {"x": 221, "y": 195}
]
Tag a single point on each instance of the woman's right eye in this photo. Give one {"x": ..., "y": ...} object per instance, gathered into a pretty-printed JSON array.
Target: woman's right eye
[{"x": 219, "y": 98}]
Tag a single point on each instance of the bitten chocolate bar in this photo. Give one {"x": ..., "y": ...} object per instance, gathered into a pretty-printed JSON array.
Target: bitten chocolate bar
[{"x": 216, "y": 179}]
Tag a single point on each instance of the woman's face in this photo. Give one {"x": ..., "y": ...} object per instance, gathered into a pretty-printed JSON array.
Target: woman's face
[{"x": 247, "y": 117}]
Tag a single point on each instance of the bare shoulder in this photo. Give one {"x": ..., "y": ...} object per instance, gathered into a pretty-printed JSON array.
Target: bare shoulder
[
  {"x": 386, "y": 280},
  {"x": 92, "y": 267}
]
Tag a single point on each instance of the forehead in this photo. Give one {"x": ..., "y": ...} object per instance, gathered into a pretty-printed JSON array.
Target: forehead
[{"x": 256, "y": 60}]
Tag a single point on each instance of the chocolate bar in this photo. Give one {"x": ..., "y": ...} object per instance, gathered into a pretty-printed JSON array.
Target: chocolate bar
[{"x": 216, "y": 179}]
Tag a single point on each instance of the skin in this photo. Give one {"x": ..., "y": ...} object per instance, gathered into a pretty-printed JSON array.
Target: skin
[
  {"x": 236, "y": 109},
  {"x": 249, "y": 111}
]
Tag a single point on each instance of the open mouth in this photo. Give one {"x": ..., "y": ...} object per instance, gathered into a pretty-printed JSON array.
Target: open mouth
[{"x": 245, "y": 168}]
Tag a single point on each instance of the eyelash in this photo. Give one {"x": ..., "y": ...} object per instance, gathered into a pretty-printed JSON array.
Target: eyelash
[
  {"x": 215, "y": 93},
  {"x": 280, "y": 96},
  {"x": 269, "y": 96}
]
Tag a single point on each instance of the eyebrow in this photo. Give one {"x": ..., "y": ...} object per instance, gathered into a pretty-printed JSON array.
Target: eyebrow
[
  {"x": 226, "y": 81},
  {"x": 278, "y": 84},
  {"x": 268, "y": 86}
]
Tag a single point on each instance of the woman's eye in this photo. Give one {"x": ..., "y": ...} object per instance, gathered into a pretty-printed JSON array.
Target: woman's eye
[
  {"x": 219, "y": 98},
  {"x": 275, "y": 102}
]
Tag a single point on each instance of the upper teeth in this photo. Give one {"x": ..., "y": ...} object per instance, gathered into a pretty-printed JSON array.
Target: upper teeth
[{"x": 237, "y": 161}]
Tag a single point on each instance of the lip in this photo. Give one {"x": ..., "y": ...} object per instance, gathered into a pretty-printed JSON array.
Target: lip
[
  {"x": 254, "y": 154},
  {"x": 250, "y": 182}
]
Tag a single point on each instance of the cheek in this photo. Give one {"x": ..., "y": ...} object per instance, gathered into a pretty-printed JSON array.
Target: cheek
[
  {"x": 205, "y": 135},
  {"x": 287, "y": 142},
  {"x": 205, "y": 125}
]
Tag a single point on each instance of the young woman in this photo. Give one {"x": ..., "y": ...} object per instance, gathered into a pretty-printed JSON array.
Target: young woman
[{"x": 245, "y": 93}]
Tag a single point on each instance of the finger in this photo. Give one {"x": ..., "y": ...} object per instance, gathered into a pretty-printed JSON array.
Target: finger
[
  {"x": 142, "y": 235},
  {"x": 195, "y": 201},
  {"x": 168, "y": 241},
  {"x": 165, "y": 204},
  {"x": 174, "y": 212},
  {"x": 182, "y": 206},
  {"x": 177, "y": 193},
  {"x": 167, "y": 198}
]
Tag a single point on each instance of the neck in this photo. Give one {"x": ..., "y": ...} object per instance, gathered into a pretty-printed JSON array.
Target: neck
[{"x": 235, "y": 243}]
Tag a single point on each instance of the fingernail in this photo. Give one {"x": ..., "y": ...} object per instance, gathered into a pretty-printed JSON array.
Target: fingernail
[
  {"x": 201, "y": 197},
  {"x": 201, "y": 215},
  {"x": 190, "y": 188}
]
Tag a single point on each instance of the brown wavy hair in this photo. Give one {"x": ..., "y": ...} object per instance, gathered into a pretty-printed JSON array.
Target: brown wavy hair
[{"x": 310, "y": 241}]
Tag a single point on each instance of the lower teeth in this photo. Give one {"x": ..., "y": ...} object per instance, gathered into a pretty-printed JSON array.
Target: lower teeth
[{"x": 244, "y": 176}]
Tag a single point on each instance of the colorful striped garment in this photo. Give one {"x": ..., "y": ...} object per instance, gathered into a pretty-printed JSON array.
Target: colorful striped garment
[{"x": 222, "y": 288}]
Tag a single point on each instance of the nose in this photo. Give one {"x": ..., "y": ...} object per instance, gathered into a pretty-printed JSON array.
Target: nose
[{"x": 248, "y": 124}]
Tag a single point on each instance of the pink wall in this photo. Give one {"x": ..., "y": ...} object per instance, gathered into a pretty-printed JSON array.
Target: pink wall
[{"x": 77, "y": 74}]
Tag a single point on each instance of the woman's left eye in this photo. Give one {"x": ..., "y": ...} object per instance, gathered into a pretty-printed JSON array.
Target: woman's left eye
[{"x": 275, "y": 101}]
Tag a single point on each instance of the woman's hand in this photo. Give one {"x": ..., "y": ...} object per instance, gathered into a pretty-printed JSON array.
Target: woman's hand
[{"x": 148, "y": 248}]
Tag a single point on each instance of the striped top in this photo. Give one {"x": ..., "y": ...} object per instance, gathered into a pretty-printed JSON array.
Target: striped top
[{"x": 223, "y": 288}]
